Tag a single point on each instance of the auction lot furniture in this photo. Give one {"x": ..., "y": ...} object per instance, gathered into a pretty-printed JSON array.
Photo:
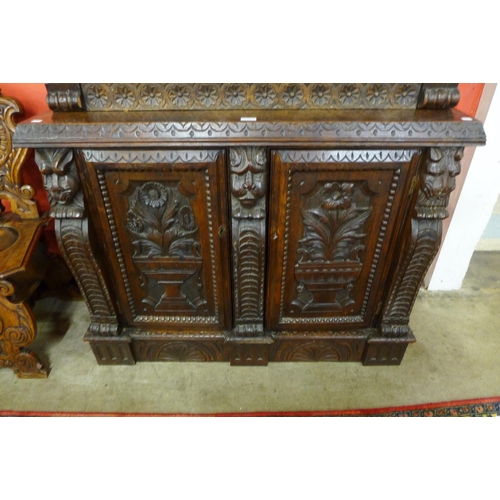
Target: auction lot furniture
[
  {"x": 249, "y": 222},
  {"x": 22, "y": 264}
]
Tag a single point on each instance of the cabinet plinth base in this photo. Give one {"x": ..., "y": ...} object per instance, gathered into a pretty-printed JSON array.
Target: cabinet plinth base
[
  {"x": 363, "y": 345},
  {"x": 111, "y": 350},
  {"x": 386, "y": 351}
]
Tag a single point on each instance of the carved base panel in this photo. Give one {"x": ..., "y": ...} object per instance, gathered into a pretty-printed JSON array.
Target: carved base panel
[
  {"x": 182, "y": 347},
  {"x": 383, "y": 351},
  {"x": 137, "y": 345},
  {"x": 318, "y": 348}
]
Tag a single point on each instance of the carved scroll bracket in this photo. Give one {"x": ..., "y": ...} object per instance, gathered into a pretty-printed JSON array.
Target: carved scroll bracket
[
  {"x": 64, "y": 96},
  {"x": 72, "y": 231},
  {"x": 249, "y": 181},
  {"x": 17, "y": 330},
  {"x": 438, "y": 169},
  {"x": 438, "y": 96},
  {"x": 249, "y": 184}
]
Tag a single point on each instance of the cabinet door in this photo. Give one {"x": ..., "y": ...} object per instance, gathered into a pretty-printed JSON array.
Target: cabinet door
[
  {"x": 332, "y": 216},
  {"x": 167, "y": 215}
]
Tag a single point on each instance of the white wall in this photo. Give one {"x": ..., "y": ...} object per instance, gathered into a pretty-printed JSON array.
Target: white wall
[{"x": 474, "y": 207}]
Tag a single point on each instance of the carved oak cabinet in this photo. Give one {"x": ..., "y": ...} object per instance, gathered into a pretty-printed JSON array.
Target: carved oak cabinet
[{"x": 249, "y": 222}]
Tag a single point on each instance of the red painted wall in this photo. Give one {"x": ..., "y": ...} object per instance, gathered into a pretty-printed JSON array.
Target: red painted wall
[
  {"x": 32, "y": 97},
  {"x": 470, "y": 95}
]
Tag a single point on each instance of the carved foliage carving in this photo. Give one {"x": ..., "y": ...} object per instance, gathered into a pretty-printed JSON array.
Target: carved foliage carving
[
  {"x": 61, "y": 181},
  {"x": 161, "y": 222},
  {"x": 166, "y": 247},
  {"x": 17, "y": 330},
  {"x": 248, "y": 205},
  {"x": 329, "y": 255},
  {"x": 11, "y": 160}
]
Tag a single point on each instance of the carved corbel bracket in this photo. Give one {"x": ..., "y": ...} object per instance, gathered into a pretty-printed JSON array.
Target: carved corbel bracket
[
  {"x": 72, "y": 231},
  {"x": 438, "y": 169},
  {"x": 249, "y": 181}
]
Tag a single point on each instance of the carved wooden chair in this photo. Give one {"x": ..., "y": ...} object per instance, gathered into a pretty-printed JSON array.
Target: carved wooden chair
[{"x": 22, "y": 262}]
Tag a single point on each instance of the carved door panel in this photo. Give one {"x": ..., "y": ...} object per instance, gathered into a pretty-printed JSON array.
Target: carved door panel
[
  {"x": 332, "y": 214},
  {"x": 167, "y": 214}
]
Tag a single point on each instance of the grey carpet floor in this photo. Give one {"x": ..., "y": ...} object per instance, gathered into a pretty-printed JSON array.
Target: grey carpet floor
[{"x": 457, "y": 356}]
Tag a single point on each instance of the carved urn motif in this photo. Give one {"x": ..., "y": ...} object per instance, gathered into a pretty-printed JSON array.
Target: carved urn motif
[
  {"x": 329, "y": 254},
  {"x": 166, "y": 248}
]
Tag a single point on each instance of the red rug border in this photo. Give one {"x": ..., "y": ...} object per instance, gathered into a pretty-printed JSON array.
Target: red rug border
[{"x": 314, "y": 413}]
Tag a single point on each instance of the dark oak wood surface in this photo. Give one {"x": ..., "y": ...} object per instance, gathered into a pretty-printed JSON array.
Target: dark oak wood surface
[
  {"x": 249, "y": 235},
  {"x": 279, "y": 127}
]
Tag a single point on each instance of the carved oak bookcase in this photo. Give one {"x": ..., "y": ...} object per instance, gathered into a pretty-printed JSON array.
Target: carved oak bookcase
[{"x": 249, "y": 222}]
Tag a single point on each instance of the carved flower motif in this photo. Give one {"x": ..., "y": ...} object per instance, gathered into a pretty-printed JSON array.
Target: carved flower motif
[
  {"x": 124, "y": 96},
  {"x": 292, "y": 94},
  {"x": 340, "y": 195},
  {"x": 134, "y": 224},
  {"x": 349, "y": 94},
  {"x": 334, "y": 231},
  {"x": 151, "y": 95},
  {"x": 185, "y": 218},
  {"x": 320, "y": 94},
  {"x": 97, "y": 96},
  {"x": 179, "y": 95},
  {"x": 207, "y": 95},
  {"x": 264, "y": 95},
  {"x": 153, "y": 194},
  {"x": 235, "y": 95},
  {"x": 376, "y": 94},
  {"x": 406, "y": 95}
]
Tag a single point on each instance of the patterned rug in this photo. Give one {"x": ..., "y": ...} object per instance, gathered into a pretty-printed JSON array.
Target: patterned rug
[{"x": 489, "y": 407}]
